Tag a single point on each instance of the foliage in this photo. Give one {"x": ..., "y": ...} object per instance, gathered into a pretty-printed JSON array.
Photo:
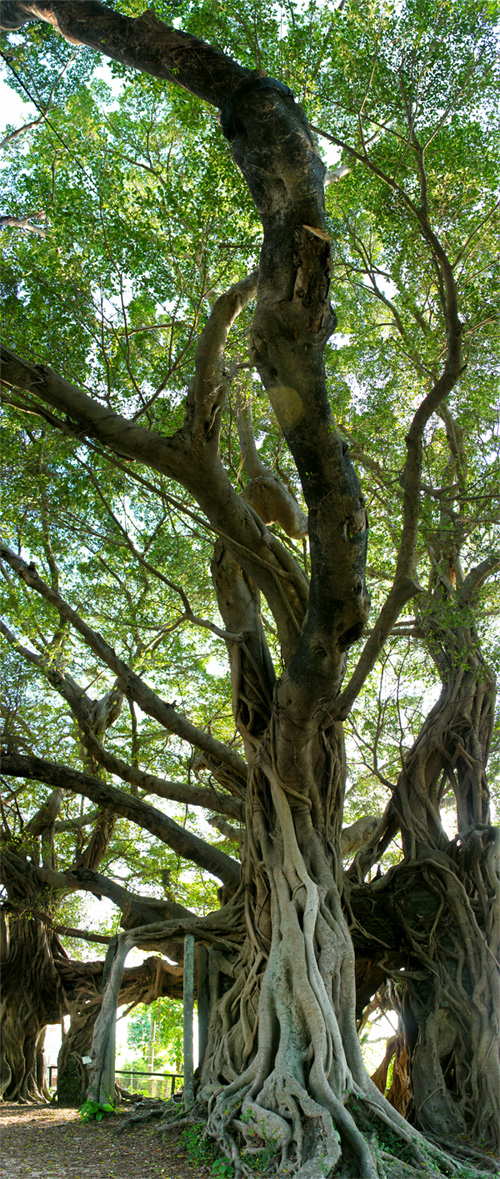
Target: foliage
[
  {"x": 179, "y": 663},
  {"x": 95, "y": 1111},
  {"x": 165, "y": 1017}
]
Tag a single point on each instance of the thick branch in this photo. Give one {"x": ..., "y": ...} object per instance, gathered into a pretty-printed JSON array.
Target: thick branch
[
  {"x": 144, "y": 43},
  {"x": 136, "y": 910},
  {"x": 95, "y": 419},
  {"x": 175, "y": 791},
  {"x": 64, "y": 930},
  {"x": 478, "y": 576},
  {"x": 83, "y": 708},
  {"x": 186, "y": 844},
  {"x": 76, "y": 823},
  {"x": 292, "y": 323},
  {"x": 130, "y": 683},
  {"x": 186, "y": 458}
]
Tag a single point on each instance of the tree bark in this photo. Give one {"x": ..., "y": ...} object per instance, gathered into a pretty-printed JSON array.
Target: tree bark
[
  {"x": 32, "y": 994},
  {"x": 32, "y": 997},
  {"x": 283, "y": 1064}
]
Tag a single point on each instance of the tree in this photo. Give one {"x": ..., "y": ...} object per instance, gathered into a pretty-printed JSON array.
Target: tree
[
  {"x": 41, "y": 983},
  {"x": 156, "y": 1033},
  {"x": 147, "y": 477}
]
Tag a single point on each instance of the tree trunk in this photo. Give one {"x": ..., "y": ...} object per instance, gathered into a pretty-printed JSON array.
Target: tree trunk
[
  {"x": 448, "y": 897},
  {"x": 282, "y": 1037},
  {"x": 32, "y": 997},
  {"x": 33, "y": 994},
  {"x": 72, "y": 1073},
  {"x": 447, "y": 902}
]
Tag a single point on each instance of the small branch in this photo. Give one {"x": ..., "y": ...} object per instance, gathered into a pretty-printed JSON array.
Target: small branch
[
  {"x": 64, "y": 930},
  {"x": 208, "y": 387},
  {"x": 265, "y": 492},
  {"x": 11, "y": 135},
  {"x": 23, "y": 223},
  {"x": 404, "y": 586},
  {"x": 403, "y": 589},
  {"x": 235, "y": 834},
  {"x": 200, "y": 796},
  {"x": 82, "y": 934},
  {"x": 189, "y": 615},
  {"x": 44, "y": 110}
]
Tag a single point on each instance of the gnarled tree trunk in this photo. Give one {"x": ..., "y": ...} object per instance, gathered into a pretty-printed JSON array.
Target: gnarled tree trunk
[
  {"x": 444, "y": 897},
  {"x": 33, "y": 992},
  {"x": 32, "y": 997},
  {"x": 283, "y": 1041},
  {"x": 283, "y": 1066},
  {"x": 449, "y": 912}
]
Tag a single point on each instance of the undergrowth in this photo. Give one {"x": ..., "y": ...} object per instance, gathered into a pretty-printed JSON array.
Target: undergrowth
[{"x": 204, "y": 1151}]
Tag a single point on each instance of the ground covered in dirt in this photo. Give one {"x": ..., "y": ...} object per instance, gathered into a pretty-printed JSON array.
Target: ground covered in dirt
[{"x": 45, "y": 1142}]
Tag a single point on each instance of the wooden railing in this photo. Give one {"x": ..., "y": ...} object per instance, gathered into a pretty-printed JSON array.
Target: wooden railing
[{"x": 137, "y": 1079}]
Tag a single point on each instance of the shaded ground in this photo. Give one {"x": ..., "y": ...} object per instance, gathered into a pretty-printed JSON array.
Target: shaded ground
[{"x": 43, "y": 1142}]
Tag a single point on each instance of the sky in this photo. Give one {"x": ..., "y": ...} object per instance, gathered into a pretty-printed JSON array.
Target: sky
[{"x": 12, "y": 109}]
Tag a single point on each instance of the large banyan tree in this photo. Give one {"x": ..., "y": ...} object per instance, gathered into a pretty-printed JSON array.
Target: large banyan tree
[{"x": 192, "y": 429}]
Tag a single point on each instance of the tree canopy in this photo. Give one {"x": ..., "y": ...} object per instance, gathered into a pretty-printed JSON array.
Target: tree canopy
[{"x": 249, "y": 382}]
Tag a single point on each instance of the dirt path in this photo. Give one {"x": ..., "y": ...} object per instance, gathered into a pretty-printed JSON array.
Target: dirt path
[{"x": 43, "y": 1142}]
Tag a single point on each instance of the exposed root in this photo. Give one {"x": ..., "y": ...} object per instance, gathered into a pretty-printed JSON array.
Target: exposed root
[
  {"x": 284, "y": 1081},
  {"x": 305, "y": 1106},
  {"x": 310, "y": 1142},
  {"x": 288, "y": 1110},
  {"x": 460, "y": 1150}
]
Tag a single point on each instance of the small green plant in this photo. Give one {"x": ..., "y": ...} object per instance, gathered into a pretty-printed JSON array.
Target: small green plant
[
  {"x": 95, "y": 1111},
  {"x": 203, "y": 1150},
  {"x": 222, "y": 1168},
  {"x": 198, "y": 1147},
  {"x": 262, "y": 1159},
  {"x": 266, "y": 1155}
]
